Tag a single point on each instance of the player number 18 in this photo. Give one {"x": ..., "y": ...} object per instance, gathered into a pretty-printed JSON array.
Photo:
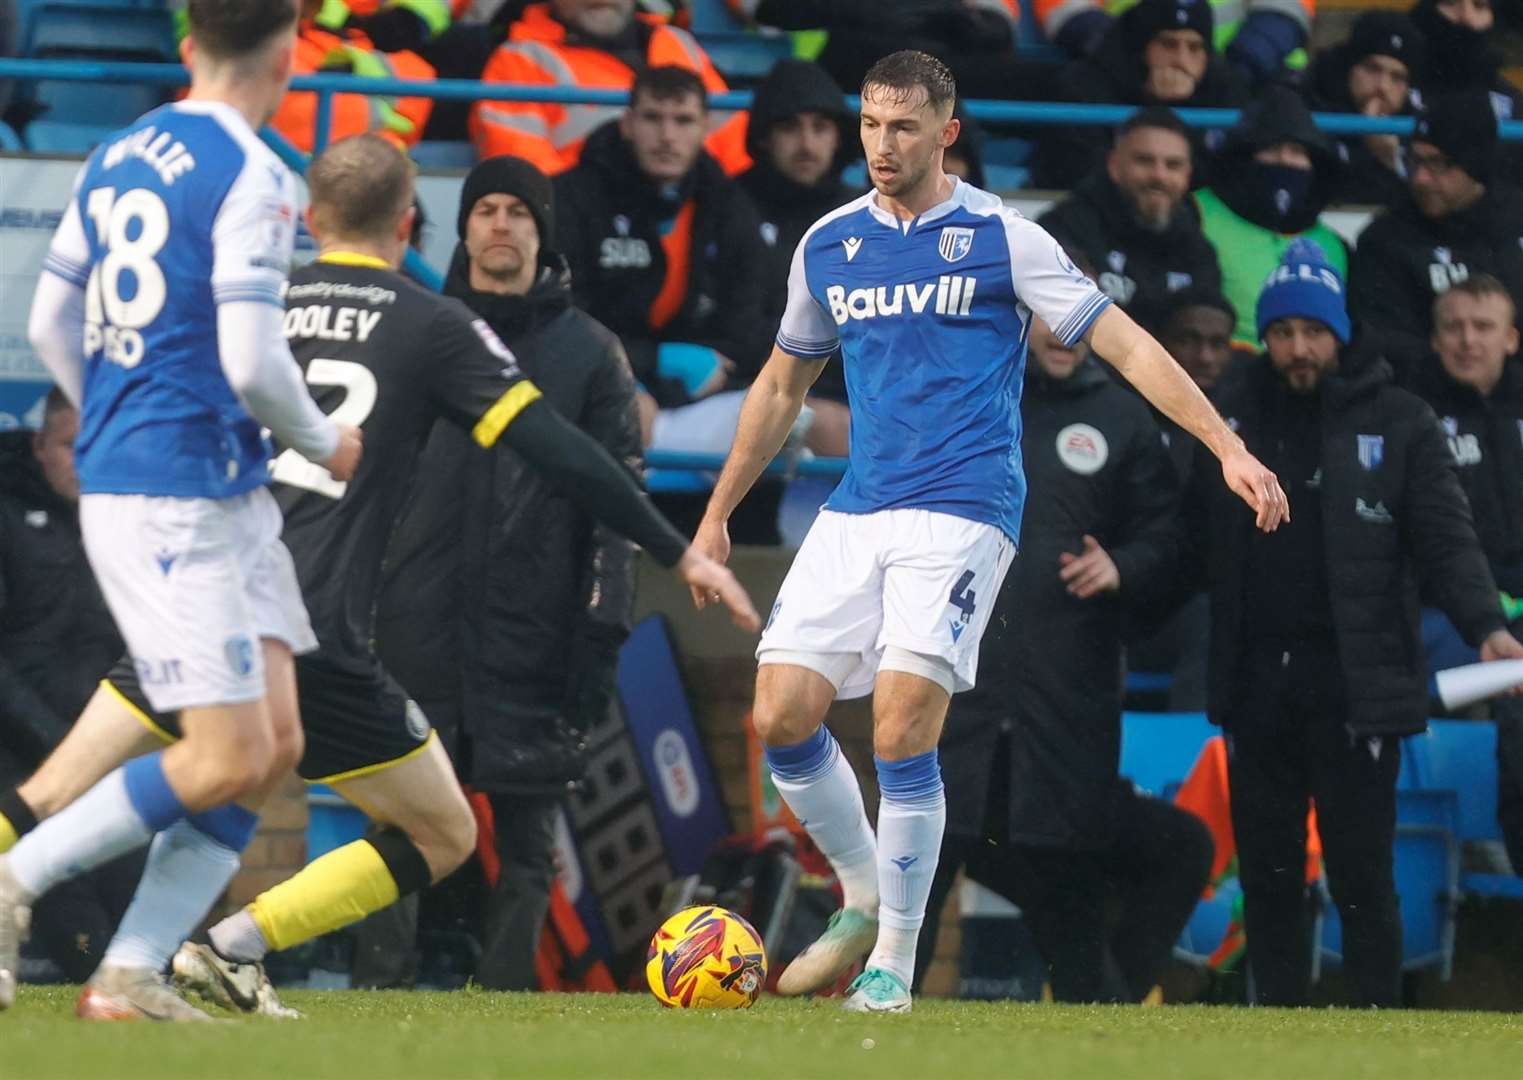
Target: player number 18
[{"x": 133, "y": 230}]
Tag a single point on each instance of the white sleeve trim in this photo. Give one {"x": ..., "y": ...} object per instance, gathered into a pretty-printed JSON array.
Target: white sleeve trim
[
  {"x": 56, "y": 329},
  {"x": 1047, "y": 281}
]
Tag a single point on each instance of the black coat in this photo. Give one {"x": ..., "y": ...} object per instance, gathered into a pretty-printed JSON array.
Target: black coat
[
  {"x": 1486, "y": 437},
  {"x": 1401, "y": 518},
  {"x": 56, "y": 636},
  {"x": 1133, "y": 265},
  {"x": 500, "y": 593},
  {"x": 1402, "y": 255},
  {"x": 1365, "y": 179},
  {"x": 1049, "y": 672},
  {"x": 610, "y": 222},
  {"x": 1115, "y": 75}
]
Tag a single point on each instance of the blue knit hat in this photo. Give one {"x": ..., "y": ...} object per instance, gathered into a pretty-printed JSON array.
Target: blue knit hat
[{"x": 1305, "y": 286}]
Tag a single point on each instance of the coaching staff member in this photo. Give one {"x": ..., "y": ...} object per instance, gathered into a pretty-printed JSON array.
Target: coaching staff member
[
  {"x": 1316, "y": 659},
  {"x": 1035, "y": 808},
  {"x": 544, "y": 597}
]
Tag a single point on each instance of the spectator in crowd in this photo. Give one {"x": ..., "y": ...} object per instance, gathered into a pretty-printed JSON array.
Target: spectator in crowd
[
  {"x": 1316, "y": 666},
  {"x": 329, "y": 40},
  {"x": 1260, "y": 39},
  {"x": 1476, "y": 388},
  {"x": 801, "y": 137},
  {"x": 1458, "y": 220},
  {"x": 1036, "y": 810},
  {"x": 1195, "y": 325},
  {"x": 393, "y": 25},
  {"x": 503, "y": 599},
  {"x": 1133, "y": 221},
  {"x": 1373, "y": 73},
  {"x": 1158, "y": 53},
  {"x": 56, "y": 641},
  {"x": 599, "y": 44},
  {"x": 1462, "y": 55},
  {"x": 975, "y": 38},
  {"x": 1274, "y": 175},
  {"x": 667, "y": 253}
]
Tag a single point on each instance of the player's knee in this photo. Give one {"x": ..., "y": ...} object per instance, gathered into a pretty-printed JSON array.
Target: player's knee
[
  {"x": 290, "y": 744},
  {"x": 783, "y": 725}
]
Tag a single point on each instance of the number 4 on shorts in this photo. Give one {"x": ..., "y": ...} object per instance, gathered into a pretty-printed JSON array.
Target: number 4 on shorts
[{"x": 965, "y": 600}]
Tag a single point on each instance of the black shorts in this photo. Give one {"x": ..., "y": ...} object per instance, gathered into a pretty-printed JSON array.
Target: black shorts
[{"x": 355, "y": 723}]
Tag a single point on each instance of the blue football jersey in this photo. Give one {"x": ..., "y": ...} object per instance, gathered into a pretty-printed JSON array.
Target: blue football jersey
[
  {"x": 181, "y": 211},
  {"x": 931, "y": 317}
]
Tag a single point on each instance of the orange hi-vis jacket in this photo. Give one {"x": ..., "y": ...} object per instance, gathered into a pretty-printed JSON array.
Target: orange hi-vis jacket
[
  {"x": 320, "y": 50},
  {"x": 551, "y": 136}
]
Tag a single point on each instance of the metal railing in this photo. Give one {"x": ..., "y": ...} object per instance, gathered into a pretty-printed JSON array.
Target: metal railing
[{"x": 326, "y": 86}]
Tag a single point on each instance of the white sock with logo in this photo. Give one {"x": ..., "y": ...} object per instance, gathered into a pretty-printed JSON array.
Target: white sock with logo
[{"x": 912, "y": 817}]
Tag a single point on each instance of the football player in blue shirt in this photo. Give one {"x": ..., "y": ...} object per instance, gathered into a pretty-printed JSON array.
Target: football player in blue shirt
[
  {"x": 927, "y": 285},
  {"x": 160, "y": 312}
]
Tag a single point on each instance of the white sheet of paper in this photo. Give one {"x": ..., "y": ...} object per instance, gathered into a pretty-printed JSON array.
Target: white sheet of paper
[{"x": 1462, "y": 686}]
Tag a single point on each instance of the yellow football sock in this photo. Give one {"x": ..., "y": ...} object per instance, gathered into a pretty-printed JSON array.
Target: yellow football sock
[
  {"x": 332, "y": 892},
  {"x": 8, "y": 835}
]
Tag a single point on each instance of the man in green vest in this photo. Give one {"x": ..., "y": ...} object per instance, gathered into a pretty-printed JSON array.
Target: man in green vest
[{"x": 1274, "y": 174}]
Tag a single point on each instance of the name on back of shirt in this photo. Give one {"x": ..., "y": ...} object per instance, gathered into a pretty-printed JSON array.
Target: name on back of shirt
[
  {"x": 327, "y": 323},
  {"x": 158, "y": 149}
]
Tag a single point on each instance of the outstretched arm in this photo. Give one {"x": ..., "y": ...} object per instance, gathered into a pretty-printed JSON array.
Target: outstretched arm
[{"x": 1148, "y": 366}]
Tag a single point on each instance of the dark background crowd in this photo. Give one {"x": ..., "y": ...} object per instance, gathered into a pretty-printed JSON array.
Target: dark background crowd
[{"x": 636, "y": 260}]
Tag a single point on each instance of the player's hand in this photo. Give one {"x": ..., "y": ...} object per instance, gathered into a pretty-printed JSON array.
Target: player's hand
[
  {"x": 346, "y": 459},
  {"x": 714, "y": 581},
  {"x": 1091, "y": 573},
  {"x": 712, "y": 540},
  {"x": 1258, "y": 487}
]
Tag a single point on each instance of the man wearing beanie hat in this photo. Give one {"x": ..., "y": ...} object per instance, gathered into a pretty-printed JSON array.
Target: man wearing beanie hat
[
  {"x": 1458, "y": 219},
  {"x": 1374, "y": 73},
  {"x": 527, "y": 665},
  {"x": 1316, "y": 659},
  {"x": 1158, "y": 53},
  {"x": 1463, "y": 54}
]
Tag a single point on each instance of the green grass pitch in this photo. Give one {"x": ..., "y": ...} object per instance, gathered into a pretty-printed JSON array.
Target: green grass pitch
[{"x": 421, "y": 1036}]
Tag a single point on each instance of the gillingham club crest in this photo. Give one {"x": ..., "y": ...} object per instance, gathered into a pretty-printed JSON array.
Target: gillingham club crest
[{"x": 955, "y": 242}]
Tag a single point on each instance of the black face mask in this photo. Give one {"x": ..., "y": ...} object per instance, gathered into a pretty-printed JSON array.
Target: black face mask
[{"x": 1277, "y": 197}]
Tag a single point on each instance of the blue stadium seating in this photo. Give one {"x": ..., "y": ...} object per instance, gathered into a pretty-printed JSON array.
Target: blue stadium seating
[
  {"x": 79, "y": 115},
  {"x": 443, "y": 156},
  {"x": 1158, "y": 749},
  {"x": 332, "y": 821},
  {"x": 9, "y": 140}
]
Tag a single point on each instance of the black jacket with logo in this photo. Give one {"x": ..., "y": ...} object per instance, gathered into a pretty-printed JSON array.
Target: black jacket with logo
[
  {"x": 1393, "y": 514},
  {"x": 1486, "y": 437},
  {"x": 1049, "y": 671},
  {"x": 654, "y": 265},
  {"x": 57, "y": 639},
  {"x": 500, "y": 594},
  {"x": 1135, "y": 266},
  {"x": 1404, "y": 260}
]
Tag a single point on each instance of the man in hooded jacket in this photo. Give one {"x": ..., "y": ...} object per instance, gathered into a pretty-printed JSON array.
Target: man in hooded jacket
[
  {"x": 503, "y": 601},
  {"x": 1458, "y": 219},
  {"x": 1462, "y": 55},
  {"x": 1274, "y": 174},
  {"x": 1133, "y": 221},
  {"x": 1157, "y": 53},
  {"x": 1375, "y": 72}
]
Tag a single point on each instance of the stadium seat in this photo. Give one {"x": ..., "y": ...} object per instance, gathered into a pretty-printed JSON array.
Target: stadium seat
[
  {"x": 9, "y": 140},
  {"x": 78, "y": 115},
  {"x": 444, "y": 155},
  {"x": 1158, "y": 748},
  {"x": 332, "y": 821}
]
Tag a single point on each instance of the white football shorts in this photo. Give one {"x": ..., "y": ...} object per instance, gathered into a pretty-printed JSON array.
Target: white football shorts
[
  {"x": 194, "y": 584},
  {"x": 917, "y": 580}
]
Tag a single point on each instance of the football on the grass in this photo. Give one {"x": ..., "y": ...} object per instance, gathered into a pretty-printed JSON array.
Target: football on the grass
[{"x": 706, "y": 958}]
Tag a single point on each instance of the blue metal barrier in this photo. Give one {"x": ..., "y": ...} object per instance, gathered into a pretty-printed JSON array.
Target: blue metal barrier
[{"x": 1022, "y": 112}]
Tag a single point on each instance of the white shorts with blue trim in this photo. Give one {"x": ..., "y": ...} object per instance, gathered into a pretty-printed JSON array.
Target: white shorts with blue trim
[
  {"x": 194, "y": 585},
  {"x": 917, "y": 580}
]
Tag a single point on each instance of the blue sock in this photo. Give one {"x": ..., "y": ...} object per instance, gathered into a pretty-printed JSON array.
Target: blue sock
[{"x": 149, "y": 790}]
